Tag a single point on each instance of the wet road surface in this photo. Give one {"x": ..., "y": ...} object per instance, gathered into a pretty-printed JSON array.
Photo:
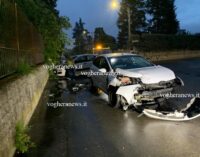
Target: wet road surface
[{"x": 97, "y": 130}]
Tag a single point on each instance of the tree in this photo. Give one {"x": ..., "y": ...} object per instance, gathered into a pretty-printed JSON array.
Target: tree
[
  {"x": 138, "y": 20},
  {"x": 163, "y": 17},
  {"x": 50, "y": 25},
  {"x": 81, "y": 37},
  {"x": 100, "y": 37},
  {"x": 52, "y": 4}
]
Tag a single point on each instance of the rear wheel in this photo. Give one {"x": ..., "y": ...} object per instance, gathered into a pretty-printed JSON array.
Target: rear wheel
[{"x": 93, "y": 89}]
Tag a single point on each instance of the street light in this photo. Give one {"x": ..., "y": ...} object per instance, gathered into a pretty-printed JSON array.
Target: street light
[
  {"x": 84, "y": 32},
  {"x": 99, "y": 47},
  {"x": 114, "y": 5}
]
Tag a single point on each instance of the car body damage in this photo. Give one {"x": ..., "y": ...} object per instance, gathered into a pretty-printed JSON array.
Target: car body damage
[
  {"x": 137, "y": 82},
  {"x": 149, "y": 75},
  {"x": 144, "y": 86},
  {"x": 191, "y": 112},
  {"x": 129, "y": 96}
]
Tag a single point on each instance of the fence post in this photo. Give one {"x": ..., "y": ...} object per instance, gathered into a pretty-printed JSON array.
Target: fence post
[{"x": 17, "y": 29}]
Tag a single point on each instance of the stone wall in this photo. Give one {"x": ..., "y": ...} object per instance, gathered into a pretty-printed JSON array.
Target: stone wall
[
  {"x": 170, "y": 55},
  {"x": 18, "y": 100}
]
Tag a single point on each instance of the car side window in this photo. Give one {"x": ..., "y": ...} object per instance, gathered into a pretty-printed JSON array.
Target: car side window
[
  {"x": 104, "y": 64},
  {"x": 90, "y": 58},
  {"x": 96, "y": 62},
  {"x": 81, "y": 59}
]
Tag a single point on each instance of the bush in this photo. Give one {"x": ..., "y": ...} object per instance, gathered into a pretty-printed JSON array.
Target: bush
[
  {"x": 22, "y": 139},
  {"x": 23, "y": 68}
]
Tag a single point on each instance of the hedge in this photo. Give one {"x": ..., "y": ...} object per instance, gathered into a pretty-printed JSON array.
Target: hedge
[{"x": 150, "y": 42}]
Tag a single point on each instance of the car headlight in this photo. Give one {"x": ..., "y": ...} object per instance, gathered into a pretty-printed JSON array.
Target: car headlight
[
  {"x": 136, "y": 80},
  {"x": 127, "y": 80}
]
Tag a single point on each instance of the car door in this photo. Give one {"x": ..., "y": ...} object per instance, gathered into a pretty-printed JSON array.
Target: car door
[
  {"x": 104, "y": 77},
  {"x": 95, "y": 69},
  {"x": 80, "y": 62},
  {"x": 89, "y": 61}
]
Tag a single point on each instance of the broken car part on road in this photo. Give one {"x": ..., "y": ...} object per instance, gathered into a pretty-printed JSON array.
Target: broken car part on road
[{"x": 192, "y": 111}]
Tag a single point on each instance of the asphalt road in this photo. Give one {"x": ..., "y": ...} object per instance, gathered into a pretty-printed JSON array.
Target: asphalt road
[{"x": 97, "y": 130}]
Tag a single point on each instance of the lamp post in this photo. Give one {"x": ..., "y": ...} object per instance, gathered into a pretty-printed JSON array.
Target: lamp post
[{"x": 16, "y": 27}]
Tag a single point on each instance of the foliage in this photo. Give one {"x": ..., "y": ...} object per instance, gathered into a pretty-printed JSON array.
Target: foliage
[
  {"x": 163, "y": 17},
  {"x": 22, "y": 139},
  {"x": 138, "y": 19},
  {"x": 45, "y": 17},
  {"x": 23, "y": 68},
  {"x": 83, "y": 41},
  {"x": 100, "y": 37}
]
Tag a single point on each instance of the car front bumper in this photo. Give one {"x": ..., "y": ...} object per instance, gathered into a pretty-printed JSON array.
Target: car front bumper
[
  {"x": 152, "y": 95},
  {"x": 137, "y": 95}
]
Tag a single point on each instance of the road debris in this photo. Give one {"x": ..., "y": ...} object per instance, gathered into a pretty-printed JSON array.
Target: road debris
[{"x": 192, "y": 111}]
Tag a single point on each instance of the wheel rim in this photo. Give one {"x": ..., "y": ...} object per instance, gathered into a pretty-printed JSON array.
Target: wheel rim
[
  {"x": 124, "y": 103},
  {"x": 125, "y": 108}
]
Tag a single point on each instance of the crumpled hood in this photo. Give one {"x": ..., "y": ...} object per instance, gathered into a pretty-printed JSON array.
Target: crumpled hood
[{"x": 149, "y": 75}]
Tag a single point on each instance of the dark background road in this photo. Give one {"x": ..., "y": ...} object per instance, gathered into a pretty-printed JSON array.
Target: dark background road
[{"x": 98, "y": 130}]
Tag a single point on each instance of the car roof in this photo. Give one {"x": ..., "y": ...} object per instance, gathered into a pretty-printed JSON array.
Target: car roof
[
  {"x": 84, "y": 55},
  {"x": 117, "y": 54}
]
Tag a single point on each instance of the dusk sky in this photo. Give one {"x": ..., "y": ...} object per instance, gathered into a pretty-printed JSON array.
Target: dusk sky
[{"x": 96, "y": 13}]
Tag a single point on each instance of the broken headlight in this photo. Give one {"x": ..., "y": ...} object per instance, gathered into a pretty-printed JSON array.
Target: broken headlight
[
  {"x": 179, "y": 81},
  {"x": 128, "y": 81}
]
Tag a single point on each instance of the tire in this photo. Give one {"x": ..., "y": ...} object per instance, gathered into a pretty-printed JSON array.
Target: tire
[
  {"x": 93, "y": 89},
  {"x": 113, "y": 99},
  {"x": 117, "y": 101}
]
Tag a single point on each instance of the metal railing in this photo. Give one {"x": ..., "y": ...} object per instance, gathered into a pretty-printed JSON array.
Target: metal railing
[
  {"x": 19, "y": 39},
  {"x": 8, "y": 61}
]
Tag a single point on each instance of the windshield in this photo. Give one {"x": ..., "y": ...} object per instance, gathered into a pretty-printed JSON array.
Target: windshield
[{"x": 129, "y": 62}]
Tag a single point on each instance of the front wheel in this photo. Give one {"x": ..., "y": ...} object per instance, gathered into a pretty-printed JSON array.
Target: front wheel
[
  {"x": 113, "y": 99},
  {"x": 117, "y": 101}
]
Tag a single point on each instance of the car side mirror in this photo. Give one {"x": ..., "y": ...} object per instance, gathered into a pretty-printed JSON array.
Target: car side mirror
[{"x": 103, "y": 70}]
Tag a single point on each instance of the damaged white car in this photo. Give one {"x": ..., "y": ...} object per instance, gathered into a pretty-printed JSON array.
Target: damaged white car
[{"x": 131, "y": 80}]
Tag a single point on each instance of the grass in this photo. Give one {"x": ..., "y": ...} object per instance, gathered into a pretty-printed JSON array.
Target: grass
[{"x": 23, "y": 68}]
